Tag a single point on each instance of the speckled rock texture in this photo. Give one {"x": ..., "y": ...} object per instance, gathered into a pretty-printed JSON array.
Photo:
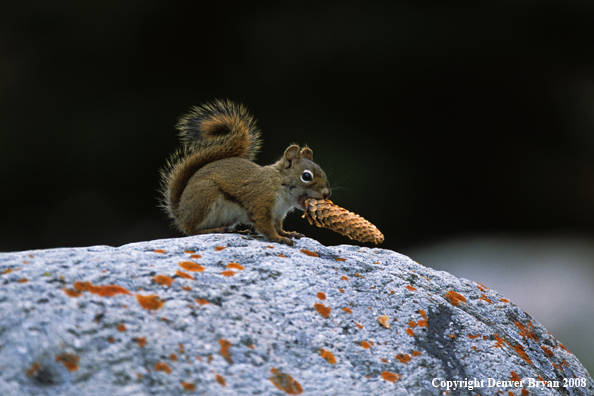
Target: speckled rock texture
[{"x": 234, "y": 315}]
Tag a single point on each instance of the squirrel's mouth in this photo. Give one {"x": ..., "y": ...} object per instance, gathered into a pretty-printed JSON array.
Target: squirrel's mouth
[{"x": 301, "y": 201}]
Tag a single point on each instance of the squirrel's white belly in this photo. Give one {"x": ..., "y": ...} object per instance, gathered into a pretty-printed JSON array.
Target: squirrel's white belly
[
  {"x": 224, "y": 213},
  {"x": 282, "y": 207}
]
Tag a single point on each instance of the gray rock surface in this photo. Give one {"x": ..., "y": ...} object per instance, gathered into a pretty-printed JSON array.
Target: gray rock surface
[{"x": 263, "y": 318}]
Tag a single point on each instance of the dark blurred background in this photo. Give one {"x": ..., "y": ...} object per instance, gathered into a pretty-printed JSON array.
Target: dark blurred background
[{"x": 435, "y": 121}]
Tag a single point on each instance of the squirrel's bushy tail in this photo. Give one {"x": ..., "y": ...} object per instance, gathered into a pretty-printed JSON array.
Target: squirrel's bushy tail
[{"x": 213, "y": 131}]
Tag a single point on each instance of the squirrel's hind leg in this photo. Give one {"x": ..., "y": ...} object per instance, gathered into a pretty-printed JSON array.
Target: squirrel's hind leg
[{"x": 204, "y": 209}]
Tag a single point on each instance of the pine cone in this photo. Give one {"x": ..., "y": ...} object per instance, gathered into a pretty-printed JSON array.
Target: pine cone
[{"x": 323, "y": 213}]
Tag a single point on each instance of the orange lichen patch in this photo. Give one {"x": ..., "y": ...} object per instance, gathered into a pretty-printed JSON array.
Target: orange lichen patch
[
  {"x": 202, "y": 301},
  {"x": 391, "y": 377},
  {"x": 191, "y": 266},
  {"x": 328, "y": 356},
  {"x": 121, "y": 327},
  {"x": 309, "y": 253},
  {"x": 173, "y": 357},
  {"x": 344, "y": 278},
  {"x": 235, "y": 266},
  {"x": 520, "y": 351},
  {"x": 562, "y": 347},
  {"x": 282, "y": 256},
  {"x": 186, "y": 288},
  {"x": 195, "y": 256},
  {"x": 422, "y": 323},
  {"x": 484, "y": 298},
  {"x": 505, "y": 300},
  {"x": 228, "y": 273},
  {"x": 220, "y": 380},
  {"x": 404, "y": 358},
  {"x": 347, "y": 310},
  {"x": 71, "y": 292},
  {"x": 189, "y": 251},
  {"x": 141, "y": 341},
  {"x": 409, "y": 287},
  {"x": 416, "y": 353},
  {"x": 340, "y": 259},
  {"x": 188, "y": 386},
  {"x": 23, "y": 280},
  {"x": 321, "y": 296},
  {"x": 410, "y": 332},
  {"x": 384, "y": 320},
  {"x": 111, "y": 340},
  {"x": 108, "y": 290},
  {"x": 384, "y": 360},
  {"x": 182, "y": 349},
  {"x": 285, "y": 382},
  {"x": 225, "y": 345},
  {"x": 455, "y": 298},
  {"x": 34, "y": 369},
  {"x": 69, "y": 361},
  {"x": 162, "y": 366},
  {"x": 412, "y": 324},
  {"x": 182, "y": 274},
  {"x": 547, "y": 351},
  {"x": 423, "y": 314},
  {"x": 103, "y": 291},
  {"x": 322, "y": 309},
  {"x": 6, "y": 271},
  {"x": 159, "y": 251},
  {"x": 365, "y": 345},
  {"x": 514, "y": 377},
  {"x": 526, "y": 333},
  {"x": 472, "y": 337},
  {"x": 219, "y": 248},
  {"x": 452, "y": 336},
  {"x": 163, "y": 280},
  {"x": 151, "y": 302},
  {"x": 525, "y": 392},
  {"x": 360, "y": 326}
]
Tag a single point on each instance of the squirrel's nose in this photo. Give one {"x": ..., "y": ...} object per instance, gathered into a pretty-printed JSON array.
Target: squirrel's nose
[{"x": 326, "y": 193}]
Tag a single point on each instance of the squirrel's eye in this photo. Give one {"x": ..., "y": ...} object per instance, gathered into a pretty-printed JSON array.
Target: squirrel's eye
[{"x": 306, "y": 176}]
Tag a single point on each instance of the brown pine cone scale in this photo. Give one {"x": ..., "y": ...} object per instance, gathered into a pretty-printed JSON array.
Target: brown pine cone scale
[{"x": 323, "y": 213}]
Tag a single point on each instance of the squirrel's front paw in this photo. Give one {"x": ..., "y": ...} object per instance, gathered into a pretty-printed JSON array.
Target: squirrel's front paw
[
  {"x": 284, "y": 240},
  {"x": 292, "y": 234}
]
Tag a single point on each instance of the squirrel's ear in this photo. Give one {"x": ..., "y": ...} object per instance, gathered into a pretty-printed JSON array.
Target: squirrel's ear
[
  {"x": 291, "y": 154},
  {"x": 307, "y": 153}
]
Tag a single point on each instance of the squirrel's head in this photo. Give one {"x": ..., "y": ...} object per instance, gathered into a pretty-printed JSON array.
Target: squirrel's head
[{"x": 302, "y": 177}]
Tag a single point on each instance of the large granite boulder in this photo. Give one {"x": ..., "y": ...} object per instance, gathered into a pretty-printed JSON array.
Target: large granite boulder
[{"x": 231, "y": 315}]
